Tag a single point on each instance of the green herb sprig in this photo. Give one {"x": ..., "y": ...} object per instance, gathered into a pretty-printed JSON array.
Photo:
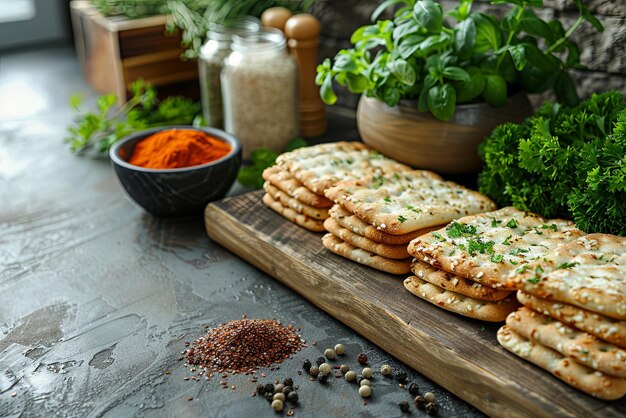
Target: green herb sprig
[
  {"x": 422, "y": 55},
  {"x": 97, "y": 130}
]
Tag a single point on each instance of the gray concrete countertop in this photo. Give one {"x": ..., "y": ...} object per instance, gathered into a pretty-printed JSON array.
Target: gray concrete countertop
[{"x": 98, "y": 297}]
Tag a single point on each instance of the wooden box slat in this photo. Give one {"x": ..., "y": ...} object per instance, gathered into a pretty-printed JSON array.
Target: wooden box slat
[{"x": 458, "y": 353}]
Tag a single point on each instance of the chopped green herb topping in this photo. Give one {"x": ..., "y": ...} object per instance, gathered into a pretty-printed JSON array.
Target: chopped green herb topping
[
  {"x": 413, "y": 208},
  {"x": 515, "y": 263},
  {"x": 552, "y": 227},
  {"x": 451, "y": 253},
  {"x": 537, "y": 231},
  {"x": 438, "y": 236},
  {"x": 506, "y": 240},
  {"x": 584, "y": 351},
  {"x": 497, "y": 258},
  {"x": 534, "y": 280},
  {"x": 519, "y": 251},
  {"x": 521, "y": 269},
  {"x": 377, "y": 181},
  {"x": 396, "y": 176},
  {"x": 477, "y": 245},
  {"x": 495, "y": 222},
  {"x": 388, "y": 200},
  {"x": 511, "y": 223},
  {"x": 456, "y": 230},
  {"x": 402, "y": 219},
  {"x": 566, "y": 265}
]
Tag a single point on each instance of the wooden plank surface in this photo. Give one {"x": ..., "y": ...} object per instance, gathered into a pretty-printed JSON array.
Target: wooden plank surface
[{"x": 458, "y": 353}]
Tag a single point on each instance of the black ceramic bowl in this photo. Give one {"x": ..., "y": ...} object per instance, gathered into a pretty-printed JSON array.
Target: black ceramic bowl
[{"x": 176, "y": 191}]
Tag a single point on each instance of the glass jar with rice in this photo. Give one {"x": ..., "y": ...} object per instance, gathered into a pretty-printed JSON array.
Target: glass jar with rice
[{"x": 260, "y": 88}]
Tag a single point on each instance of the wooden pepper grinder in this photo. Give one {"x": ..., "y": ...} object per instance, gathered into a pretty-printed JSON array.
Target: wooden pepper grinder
[
  {"x": 276, "y": 17},
  {"x": 303, "y": 32}
]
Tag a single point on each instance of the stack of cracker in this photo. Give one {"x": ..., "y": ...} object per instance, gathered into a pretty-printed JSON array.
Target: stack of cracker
[
  {"x": 295, "y": 186},
  {"x": 573, "y": 323},
  {"x": 464, "y": 267},
  {"x": 376, "y": 217}
]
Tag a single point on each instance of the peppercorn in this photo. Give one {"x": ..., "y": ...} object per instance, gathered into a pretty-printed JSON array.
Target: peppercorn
[
  {"x": 432, "y": 408},
  {"x": 414, "y": 389},
  {"x": 269, "y": 396},
  {"x": 325, "y": 368},
  {"x": 288, "y": 382},
  {"x": 401, "y": 377},
  {"x": 430, "y": 397},
  {"x": 420, "y": 402},
  {"x": 330, "y": 353},
  {"x": 269, "y": 388},
  {"x": 350, "y": 376},
  {"x": 386, "y": 370},
  {"x": 365, "y": 382},
  {"x": 279, "y": 396},
  {"x": 293, "y": 397},
  {"x": 323, "y": 377},
  {"x": 320, "y": 360},
  {"x": 365, "y": 391},
  {"x": 367, "y": 373},
  {"x": 306, "y": 365},
  {"x": 404, "y": 406},
  {"x": 314, "y": 371},
  {"x": 362, "y": 359},
  {"x": 260, "y": 389},
  {"x": 344, "y": 369},
  {"x": 279, "y": 388},
  {"x": 277, "y": 405},
  {"x": 340, "y": 349},
  {"x": 287, "y": 390}
]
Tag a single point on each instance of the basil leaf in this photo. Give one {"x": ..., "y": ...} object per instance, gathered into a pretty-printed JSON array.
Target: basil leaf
[
  {"x": 464, "y": 38},
  {"x": 382, "y": 7},
  {"x": 441, "y": 101},
  {"x": 422, "y": 101},
  {"x": 532, "y": 25},
  {"x": 472, "y": 88},
  {"x": 326, "y": 91},
  {"x": 344, "y": 62},
  {"x": 495, "y": 92},
  {"x": 429, "y": 15},
  {"x": 409, "y": 45},
  {"x": 429, "y": 81},
  {"x": 565, "y": 89},
  {"x": 401, "y": 69},
  {"x": 456, "y": 73},
  {"x": 488, "y": 36},
  {"x": 404, "y": 29},
  {"x": 538, "y": 59},
  {"x": 263, "y": 156},
  {"x": 357, "y": 83},
  {"x": 518, "y": 55},
  {"x": 297, "y": 142}
]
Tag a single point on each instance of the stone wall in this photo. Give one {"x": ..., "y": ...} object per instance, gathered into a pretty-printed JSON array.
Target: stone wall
[{"x": 603, "y": 54}]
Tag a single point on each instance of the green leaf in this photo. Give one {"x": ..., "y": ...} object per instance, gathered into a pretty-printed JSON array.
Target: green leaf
[
  {"x": 462, "y": 10},
  {"x": 344, "y": 62},
  {"x": 326, "y": 91},
  {"x": 405, "y": 29},
  {"x": 403, "y": 71},
  {"x": 357, "y": 83},
  {"x": 532, "y": 25},
  {"x": 409, "y": 45},
  {"x": 472, "y": 88},
  {"x": 263, "y": 157},
  {"x": 565, "y": 89},
  {"x": 518, "y": 55},
  {"x": 251, "y": 176},
  {"x": 297, "y": 142},
  {"x": 488, "y": 35},
  {"x": 422, "y": 101},
  {"x": 76, "y": 100},
  {"x": 382, "y": 7},
  {"x": 441, "y": 101},
  {"x": 456, "y": 73},
  {"x": 538, "y": 59},
  {"x": 429, "y": 15},
  {"x": 464, "y": 38},
  {"x": 495, "y": 91}
]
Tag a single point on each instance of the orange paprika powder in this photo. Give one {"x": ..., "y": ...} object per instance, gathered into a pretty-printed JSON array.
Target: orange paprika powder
[{"x": 178, "y": 148}]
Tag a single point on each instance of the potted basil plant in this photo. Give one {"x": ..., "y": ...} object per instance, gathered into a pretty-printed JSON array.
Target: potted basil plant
[{"x": 435, "y": 82}]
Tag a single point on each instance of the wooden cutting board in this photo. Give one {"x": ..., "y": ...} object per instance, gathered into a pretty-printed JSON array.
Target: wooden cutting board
[{"x": 458, "y": 353}]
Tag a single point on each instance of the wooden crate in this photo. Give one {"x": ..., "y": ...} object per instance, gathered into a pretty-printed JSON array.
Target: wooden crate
[{"x": 115, "y": 51}]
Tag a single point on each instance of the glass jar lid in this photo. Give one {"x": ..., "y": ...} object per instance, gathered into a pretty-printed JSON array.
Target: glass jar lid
[
  {"x": 225, "y": 30},
  {"x": 265, "y": 40}
]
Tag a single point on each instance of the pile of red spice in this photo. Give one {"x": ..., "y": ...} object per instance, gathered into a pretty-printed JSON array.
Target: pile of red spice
[{"x": 244, "y": 346}]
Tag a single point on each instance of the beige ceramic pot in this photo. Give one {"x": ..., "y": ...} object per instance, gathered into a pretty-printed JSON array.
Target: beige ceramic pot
[{"x": 418, "y": 139}]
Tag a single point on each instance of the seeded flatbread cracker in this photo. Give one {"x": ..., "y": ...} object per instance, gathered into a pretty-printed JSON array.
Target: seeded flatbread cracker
[
  {"x": 401, "y": 203},
  {"x": 490, "y": 311},
  {"x": 295, "y": 217},
  {"x": 295, "y": 204},
  {"x": 488, "y": 247},
  {"x": 601, "y": 326},
  {"x": 397, "y": 252},
  {"x": 452, "y": 282},
  {"x": 579, "y": 376},
  {"x": 589, "y": 272},
  {"x": 320, "y": 167},
  {"x": 358, "y": 226},
  {"x": 286, "y": 182},
  {"x": 579, "y": 345},
  {"x": 364, "y": 257}
]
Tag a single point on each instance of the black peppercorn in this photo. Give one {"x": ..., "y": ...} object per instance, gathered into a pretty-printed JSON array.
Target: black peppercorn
[
  {"x": 401, "y": 377},
  {"x": 288, "y": 381},
  {"x": 432, "y": 408},
  {"x": 320, "y": 360},
  {"x": 287, "y": 390},
  {"x": 420, "y": 402},
  {"x": 292, "y": 397},
  {"x": 269, "y": 396},
  {"x": 323, "y": 377},
  {"x": 362, "y": 359},
  {"x": 414, "y": 389},
  {"x": 260, "y": 389},
  {"x": 269, "y": 388},
  {"x": 404, "y": 406},
  {"x": 306, "y": 365}
]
